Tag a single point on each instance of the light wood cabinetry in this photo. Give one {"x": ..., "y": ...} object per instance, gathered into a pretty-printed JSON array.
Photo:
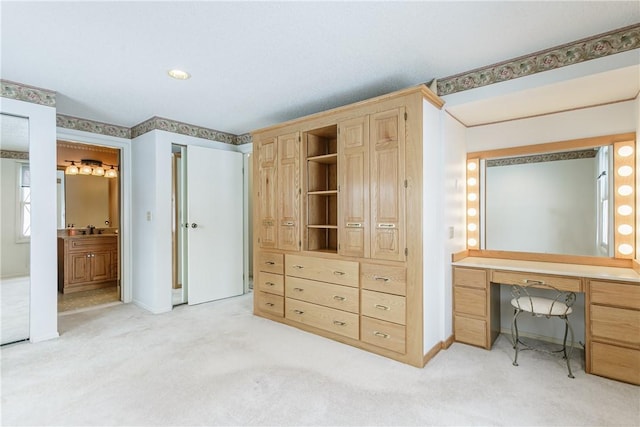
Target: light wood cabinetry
[
  {"x": 614, "y": 330},
  {"x": 269, "y": 279},
  {"x": 87, "y": 262},
  {"x": 473, "y": 305},
  {"x": 348, "y": 277}
]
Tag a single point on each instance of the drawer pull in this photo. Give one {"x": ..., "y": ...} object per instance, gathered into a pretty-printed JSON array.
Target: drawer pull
[
  {"x": 269, "y": 283},
  {"x": 385, "y": 225},
  {"x": 298, "y": 311},
  {"x": 354, "y": 225},
  {"x": 338, "y": 298},
  {"x": 270, "y": 263},
  {"x": 269, "y": 304},
  {"x": 381, "y": 307},
  {"x": 533, "y": 282},
  {"x": 339, "y": 273},
  {"x": 299, "y": 267},
  {"x": 383, "y": 279},
  {"x": 267, "y": 223},
  {"x": 298, "y": 289},
  {"x": 288, "y": 223},
  {"x": 380, "y": 334},
  {"x": 338, "y": 323}
]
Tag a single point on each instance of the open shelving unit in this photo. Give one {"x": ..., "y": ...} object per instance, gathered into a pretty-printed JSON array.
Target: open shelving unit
[{"x": 321, "y": 162}]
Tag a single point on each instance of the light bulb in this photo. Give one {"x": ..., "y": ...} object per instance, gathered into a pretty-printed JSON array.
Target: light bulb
[
  {"x": 471, "y": 181},
  {"x": 472, "y": 166},
  {"x": 110, "y": 173},
  {"x": 85, "y": 170},
  {"x": 72, "y": 169},
  {"x": 625, "y": 210},
  {"x": 625, "y": 170},
  {"x": 98, "y": 171},
  {"x": 625, "y": 249},
  {"x": 472, "y": 227},
  {"x": 472, "y": 242},
  {"x": 625, "y": 229},
  {"x": 625, "y": 190},
  {"x": 625, "y": 151},
  {"x": 472, "y": 197},
  {"x": 472, "y": 212}
]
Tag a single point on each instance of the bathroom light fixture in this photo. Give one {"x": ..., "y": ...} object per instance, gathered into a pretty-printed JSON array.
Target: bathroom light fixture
[
  {"x": 90, "y": 167},
  {"x": 624, "y": 181},
  {"x": 179, "y": 74},
  {"x": 72, "y": 169},
  {"x": 473, "y": 204}
]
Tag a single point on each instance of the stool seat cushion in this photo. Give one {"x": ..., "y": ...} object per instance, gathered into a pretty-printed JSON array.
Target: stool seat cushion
[{"x": 542, "y": 306}]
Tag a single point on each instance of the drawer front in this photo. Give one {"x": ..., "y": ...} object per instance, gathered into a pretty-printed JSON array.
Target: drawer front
[
  {"x": 618, "y": 294},
  {"x": 334, "y": 296},
  {"x": 93, "y": 243},
  {"x": 470, "y": 331},
  {"x": 325, "y": 270},
  {"x": 271, "y": 283},
  {"x": 270, "y": 262},
  {"x": 573, "y": 284},
  {"x": 469, "y": 277},
  {"x": 269, "y": 303},
  {"x": 615, "y": 362},
  {"x": 383, "y": 334},
  {"x": 391, "y": 308},
  {"x": 616, "y": 324},
  {"x": 336, "y": 321},
  {"x": 384, "y": 278},
  {"x": 470, "y": 301}
]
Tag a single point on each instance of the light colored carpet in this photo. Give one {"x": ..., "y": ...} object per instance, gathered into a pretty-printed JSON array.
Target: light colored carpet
[{"x": 217, "y": 364}]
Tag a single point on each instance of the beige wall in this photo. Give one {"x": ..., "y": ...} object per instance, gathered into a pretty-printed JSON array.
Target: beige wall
[
  {"x": 15, "y": 256},
  {"x": 87, "y": 200}
]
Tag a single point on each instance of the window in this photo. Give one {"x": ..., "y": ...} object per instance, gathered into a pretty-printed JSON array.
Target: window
[{"x": 24, "y": 202}]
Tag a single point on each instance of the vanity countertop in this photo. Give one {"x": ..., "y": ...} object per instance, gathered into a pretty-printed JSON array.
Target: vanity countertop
[
  {"x": 576, "y": 270},
  {"x": 84, "y": 236}
]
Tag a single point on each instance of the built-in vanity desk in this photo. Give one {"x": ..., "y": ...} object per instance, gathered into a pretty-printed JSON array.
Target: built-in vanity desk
[
  {"x": 612, "y": 307},
  {"x": 87, "y": 262}
]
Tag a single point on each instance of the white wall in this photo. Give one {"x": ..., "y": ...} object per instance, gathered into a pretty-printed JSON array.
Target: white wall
[
  {"x": 15, "y": 254},
  {"x": 42, "y": 159}
]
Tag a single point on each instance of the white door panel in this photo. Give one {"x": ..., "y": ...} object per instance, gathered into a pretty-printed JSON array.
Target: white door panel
[{"x": 214, "y": 212}]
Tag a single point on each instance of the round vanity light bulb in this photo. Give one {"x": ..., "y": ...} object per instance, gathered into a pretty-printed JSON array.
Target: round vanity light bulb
[
  {"x": 472, "y": 197},
  {"x": 625, "y": 210},
  {"x": 625, "y": 249},
  {"x": 472, "y": 181},
  {"x": 110, "y": 173},
  {"x": 472, "y": 166},
  {"x": 472, "y": 227},
  {"x": 472, "y": 212},
  {"x": 472, "y": 242},
  {"x": 98, "y": 171},
  {"x": 71, "y": 170},
  {"x": 625, "y": 151},
  {"x": 85, "y": 170},
  {"x": 625, "y": 190},
  {"x": 625, "y": 170},
  {"x": 625, "y": 229}
]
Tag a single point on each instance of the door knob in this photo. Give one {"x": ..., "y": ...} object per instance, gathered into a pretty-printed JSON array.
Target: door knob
[{"x": 194, "y": 225}]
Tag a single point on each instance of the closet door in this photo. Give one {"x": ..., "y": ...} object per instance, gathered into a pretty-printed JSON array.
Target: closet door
[
  {"x": 353, "y": 163},
  {"x": 267, "y": 193},
  {"x": 289, "y": 191},
  {"x": 214, "y": 205},
  {"x": 387, "y": 146}
]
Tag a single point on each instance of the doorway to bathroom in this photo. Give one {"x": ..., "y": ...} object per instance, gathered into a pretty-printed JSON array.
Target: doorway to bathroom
[{"x": 88, "y": 222}]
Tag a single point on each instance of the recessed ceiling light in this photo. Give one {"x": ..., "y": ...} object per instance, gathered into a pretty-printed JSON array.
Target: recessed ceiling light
[{"x": 179, "y": 74}]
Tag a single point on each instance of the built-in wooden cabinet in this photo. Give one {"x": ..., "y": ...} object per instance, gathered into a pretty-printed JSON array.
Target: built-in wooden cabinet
[
  {"x": 87, "y": 262},
  {"x": 268, "y": 279},
  {"x": 342, "y": 181}
]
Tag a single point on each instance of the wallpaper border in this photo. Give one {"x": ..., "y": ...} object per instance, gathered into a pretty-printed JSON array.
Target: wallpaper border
[
  {"x": 594, "y": 47},
  {"x": 160, "y": 123},
  {"x": 77, "y": 123},
  {"x": 541, "y": 158},
  {"x": 22, "y": 92}
]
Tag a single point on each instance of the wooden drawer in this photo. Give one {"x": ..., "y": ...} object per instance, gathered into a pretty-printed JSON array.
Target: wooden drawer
[
  {"x": 391, "y": 308},
  {"x": 470, "y": 301},
  {"x": 93, "y": 243},
  {"x": 615, "y": 362},
  {"x": 384, "y": 278},
  {"x": 573, "y": 284},
  {"x": 470, "y": 331},
  {"x": 271, "y": 283},
  {"x": 329, "y": 319},
  {"x": 617, "y": 324},
  {"x": 269, "y": 303},
  {"x": 271, "y": 262},
  {"x": 383, "y": 334},
  {"x": 335, "y": 296},
  {"x": 469, "y": 277},
  {"x": 325, "y": 270},
  {"x": 618, "y": 294}
]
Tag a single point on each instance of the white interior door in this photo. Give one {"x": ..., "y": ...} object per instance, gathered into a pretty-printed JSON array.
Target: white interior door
[{"x": 215, "y": 236}]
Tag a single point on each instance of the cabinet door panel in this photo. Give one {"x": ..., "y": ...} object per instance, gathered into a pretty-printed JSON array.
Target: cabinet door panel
[
  {"x": 354, "y": 230},
  {"x": 79, "y": 267},
  {"x": 101, "y": 265},
  {"x": 289, "y": 191},
  {"x": 387, "y": 146},
  {"x": 267, "y": 193}
]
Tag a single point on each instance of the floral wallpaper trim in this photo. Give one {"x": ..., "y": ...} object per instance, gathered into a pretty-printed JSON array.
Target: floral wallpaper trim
[
  {"x": 159, "y": 123},
  {"x": 18, "y": 155},
  {"x": 245, "y": 138},
  {"x": 616, "y": 41},
  {"x": 540, "y": 158},
  {"x": 26, "y": 93},
  {"x": 69, "y": 122}
]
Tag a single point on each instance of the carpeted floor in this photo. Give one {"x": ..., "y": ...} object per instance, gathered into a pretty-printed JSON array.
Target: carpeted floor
[
  {"x": 86, "y": 299},
  {"x": 217, "y": 364}
]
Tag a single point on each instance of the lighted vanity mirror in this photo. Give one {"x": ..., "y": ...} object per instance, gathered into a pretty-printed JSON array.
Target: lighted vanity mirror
[{"x": 567, "y": 198}]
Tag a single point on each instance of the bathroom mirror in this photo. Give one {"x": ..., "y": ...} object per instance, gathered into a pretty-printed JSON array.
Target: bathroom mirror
[{"x": 15, "y": 232}]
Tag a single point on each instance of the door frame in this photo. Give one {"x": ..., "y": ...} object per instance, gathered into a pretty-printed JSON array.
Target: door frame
[{"x": 124, "y": 145}]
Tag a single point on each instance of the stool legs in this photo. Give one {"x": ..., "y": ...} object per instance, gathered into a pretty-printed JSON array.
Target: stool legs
[
  {"x": 567, "y": 357},
  {"x": 514, "y": 335}
]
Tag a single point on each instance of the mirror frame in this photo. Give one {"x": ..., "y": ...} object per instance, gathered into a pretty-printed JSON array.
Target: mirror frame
[{"x": 624, "y": 258}]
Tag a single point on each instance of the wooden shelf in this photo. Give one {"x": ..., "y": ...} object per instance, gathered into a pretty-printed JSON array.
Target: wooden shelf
[
  {"x": 323, "y": 193},
  {"x": 326, "y": 226},
  {"x": 329, "y": 159}
]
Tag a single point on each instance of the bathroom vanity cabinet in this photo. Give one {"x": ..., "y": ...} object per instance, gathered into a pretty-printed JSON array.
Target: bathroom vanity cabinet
[{"x": 87, "y": 262}]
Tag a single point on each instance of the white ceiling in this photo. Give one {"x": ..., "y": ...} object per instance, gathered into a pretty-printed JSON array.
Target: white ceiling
[{"x": 259, "y": 63}]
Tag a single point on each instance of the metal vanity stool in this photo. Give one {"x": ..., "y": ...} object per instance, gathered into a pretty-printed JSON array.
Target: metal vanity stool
[{"x": 559, "y": 306}]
